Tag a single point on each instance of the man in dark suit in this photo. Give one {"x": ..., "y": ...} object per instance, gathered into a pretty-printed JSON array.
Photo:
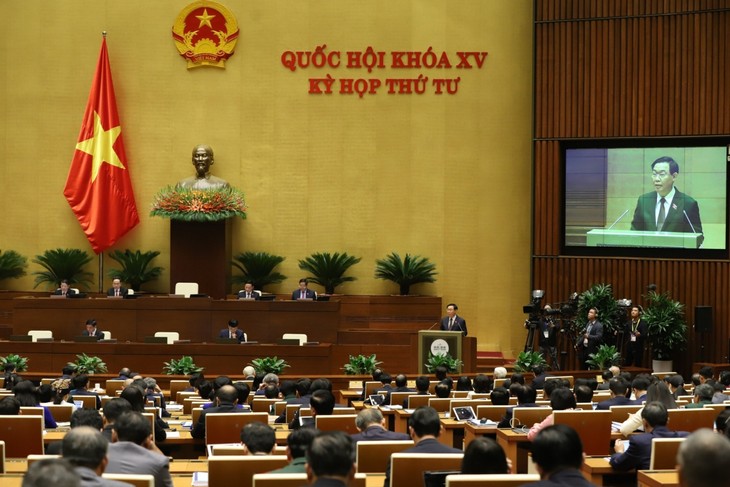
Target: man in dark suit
[
  {"x": 666, "y": 209},
  {"x": 232, "y": 332},
  {"x": 638, "y": 451},
  {"x": 636, "y": 330},
  {"x": 117, "y": 289},
  {"x": 371, "y": 424},
  {"x": 453, "y": 322},
  {"x": 65, "y": 289},
  {"x": 331, "y": 460},
  {"x": 303, "y": 292},
  {"x": 248, "y": 292},
  {"x": 225, "y": 402},
  {"x": 591, "y": 338},
  {"x": 91, "y": 330},
  {"x": 80, "y": 385},
  {"x": 135, "y": 452},
  {"x": 618, "y": 387},
  {"x": 424, "y": 429}
]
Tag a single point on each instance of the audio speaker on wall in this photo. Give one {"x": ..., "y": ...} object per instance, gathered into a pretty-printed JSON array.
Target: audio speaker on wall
[{"x": 703, "y": 319}]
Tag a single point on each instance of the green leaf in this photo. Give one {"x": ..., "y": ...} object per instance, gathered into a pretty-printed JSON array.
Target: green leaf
[
  {"x": 136, "y": 267},
  {"x": 527, "y": 360},
  {"x": 361, "y": 364},
  {"x": 12, "y": 265},
  {"x": 21, "y": 363},
  {"x": 328, "y": 270},
  {"x": 405, "y": 272},
  {"x": 257, "y": 267},
  {"x": 451, "y": 364},
  {"x": 63, "y": 264},
  {"x": 273, "y": 365},
  {"x": 87, "y": 364},
  {"x": 182, "y": 366}
]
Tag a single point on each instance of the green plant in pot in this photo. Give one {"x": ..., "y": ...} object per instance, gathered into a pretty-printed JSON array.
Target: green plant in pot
[
  {"x": 600, "y": 297},
  {"x": 20, "y": 363},
  {"x": 328, "y": 270},
  {"x": 666, "y": 328},
  {"x": 12, "y": 265},
  {"x": 405, "y": 272},
  {"x": 62, "y": 264},
  {"x": 361, "y": 364},
  {"x": 88, "y": 364},
  {"x": 604, "y": 357},
  {"x": 452, "y": 364},
  {"x": 527, "y": 360},
  {"x": 182, "y": 366},
  {"x": 257, "y": 267},
  {"x": 273, "y": 365},
  {"x": 136, "y": 267}
]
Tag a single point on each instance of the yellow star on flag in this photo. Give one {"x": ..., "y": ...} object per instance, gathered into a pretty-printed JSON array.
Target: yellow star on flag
[
  {"x": 101, "y": 147},
  {"x": 205, "y": 19}
]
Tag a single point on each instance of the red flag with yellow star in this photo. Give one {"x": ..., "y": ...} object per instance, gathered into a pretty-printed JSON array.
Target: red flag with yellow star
[{"x": 98, "y": 186}]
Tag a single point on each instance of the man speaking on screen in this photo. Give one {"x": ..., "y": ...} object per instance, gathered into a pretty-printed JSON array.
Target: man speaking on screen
[{"x": 666, "y": 209}]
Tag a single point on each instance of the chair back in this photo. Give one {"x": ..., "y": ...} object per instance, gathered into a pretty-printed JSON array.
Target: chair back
[
  {"x": 186, "y": 288},
  {"x": 691, "y": 419},
  {"x": 343, "y": 411},
  {"x": 239, "y": 470},
  {"x": 279, "y": 408},
  {"x": 136, "y": 480},
  {"x": 61, "y": 412},
  {"x": 440, "y": 404},
  {"x": 459, "y": 394},
  {"x": 406, "y": 467},
  {"x": 336, "y": 422},
  {"x": 491, "y": 480},
  {"x": 107, "y": 335},
  {"x": 569, "y": 378},
  {"x": 226, "y": 427},
  {"x": 621, "y": 413},
  {"x": 171, "y": 336},
  {"x": 291, "y": 409},
  {"x": 2, "y": 457},
  {"x": 593, "y": 427},
  {"x": 112, "y": 386},
  {"x": 295, "y": 336},
  {"x": 295, "y": 480},
  {"x": 42, "y": 334},
  {"x": 23, "y": 435},
  {"x": 373, "y": 456},
  {"x": 529, "y": 416},
  {"x": 664, "y": 453},
  {"x": 227, "y": 450},
  {"x": 88, "y": 402},
  {"x": 34, "y": 458},
  {"x": 417, "y": 400},
  {"x": 371, "y": 386},
  {"x": 262, "y": 404},
  {"x": 491, "y": 412},
  {"x": 397, "y": 398},
  {"x": 33, "y": 411}
]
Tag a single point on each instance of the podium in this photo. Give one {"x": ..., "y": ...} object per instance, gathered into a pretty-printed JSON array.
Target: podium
[
  {"x": 600, "y": 237},
  {"x": 438, "y": 342}
]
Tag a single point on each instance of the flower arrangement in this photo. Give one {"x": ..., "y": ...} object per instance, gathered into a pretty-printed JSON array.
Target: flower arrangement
[{"x": 199, "y": 205}]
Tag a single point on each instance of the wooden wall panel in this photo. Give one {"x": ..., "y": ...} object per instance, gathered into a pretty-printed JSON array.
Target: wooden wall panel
[{"x": 629, "y": 68}]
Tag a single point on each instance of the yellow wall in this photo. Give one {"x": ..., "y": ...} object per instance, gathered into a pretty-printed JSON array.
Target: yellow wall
[{"x": 446, "y": 177}]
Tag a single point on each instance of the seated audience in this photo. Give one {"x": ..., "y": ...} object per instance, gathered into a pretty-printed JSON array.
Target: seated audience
[
  {"x": 583, "y": 393},
  {"x": 135, "y": 396},
  {"x": 331, "y": 460},
  {"x": 636, "y": 451},
  {"x": 297, "y": 444},
  {"x": 225, "y": 402},
  {"x": 79, "y": 385},
  {"x": 482, "y": 384},
  {"x": 371, "y": 426},
  {"x": 80, "y": 417},
  {"x": 258, "y": 438},
  {"x": 526, "y": 397},
  {"x": 658, "y": 391},
  {"x": 558, "y": 454},
  {"x": 9, "y": 406},
  {"x": 268, "y": 380},
  {"x": 112, "y": 410},
  {"x": 51, "y": 471},
  {"x": 27, "y": 395},
  {"x": 702, "y": 395},
  {"x": 561, "y": 399},
  {"x": 606, "y": 376},
  {"x": 134, "y": 452},
  {"x": 499, "y": 396},
  {"x": 85, "y": 448},
  {"x": 618, "y": 388},
  {"x": 702, "y": 460},
  {"x": 484, "y": 456}
]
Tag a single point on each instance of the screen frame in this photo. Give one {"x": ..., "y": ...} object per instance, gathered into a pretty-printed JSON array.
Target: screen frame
[{"x": 643, "y": 143}]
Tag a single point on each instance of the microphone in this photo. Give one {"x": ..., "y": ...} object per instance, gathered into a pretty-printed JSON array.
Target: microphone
[
  {"x": 617, "y": 220},
  {"x": 689, "y": 221},
  {"x": 431, "y": 327}
]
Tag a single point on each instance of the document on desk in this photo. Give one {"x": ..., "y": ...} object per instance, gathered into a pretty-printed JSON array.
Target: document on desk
[
  {"x": 172, "y": 434},
  {"x": 200, "y": 479}
]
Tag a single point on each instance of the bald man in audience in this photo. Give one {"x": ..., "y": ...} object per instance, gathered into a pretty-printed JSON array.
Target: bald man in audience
[
  {"x": 371, "y": 424},
  {"x": 702, "y": 460}
]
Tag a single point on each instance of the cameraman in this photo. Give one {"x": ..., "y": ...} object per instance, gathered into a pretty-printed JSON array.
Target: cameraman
[{"x": 548, "y": 336}]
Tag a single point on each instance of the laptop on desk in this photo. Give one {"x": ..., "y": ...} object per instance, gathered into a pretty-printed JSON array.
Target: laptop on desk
[
  {"x": 287, "y": 341},
  {"x": 154, "y": 339},
  {"x": 85, "y": 338},
  {"x": 21, "y": 338}
]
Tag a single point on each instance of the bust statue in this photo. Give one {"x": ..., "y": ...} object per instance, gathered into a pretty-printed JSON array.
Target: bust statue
[{"x": 202, "y": 160}]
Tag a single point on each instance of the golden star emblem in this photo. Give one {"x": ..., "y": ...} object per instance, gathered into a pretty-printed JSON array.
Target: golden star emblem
[
  {"x": 101, "y": 147},
  {"x": 205, "y": 19}
]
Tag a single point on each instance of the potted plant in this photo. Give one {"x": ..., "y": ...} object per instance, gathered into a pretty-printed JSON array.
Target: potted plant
[
  {"x": 405, "y": 272},
  {"x": 600, "y": 297},
  {"x": 20, "y": 363},
  {"x": 604, "y": 357},
  {"x": 361, "y": 364},
  {"x": 257, "y": 267},
  {"x": 273, "y": 365},
  {"x": 136, "y": 268},
  {"x": 327, "y": 269},
  {"x": 12, "y": 265},
  {"x": 62, "y": 264},
  {"x": 88, "y": 364},
  {"x": 182, "y": 366},
  {"x": 666, "y": 329},
  {"x": 527, "y": 360},
  {"x": 451, "y": 364}
]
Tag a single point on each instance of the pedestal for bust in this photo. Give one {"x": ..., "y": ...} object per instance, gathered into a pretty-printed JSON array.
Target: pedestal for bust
[{"x": 201, "y": 252}]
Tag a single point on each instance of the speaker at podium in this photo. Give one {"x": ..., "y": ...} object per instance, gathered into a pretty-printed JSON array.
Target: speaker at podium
[{"x": 439, "y": 342}]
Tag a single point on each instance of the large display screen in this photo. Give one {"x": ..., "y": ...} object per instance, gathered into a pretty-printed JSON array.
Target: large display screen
[{"x": 648, "y": 197}]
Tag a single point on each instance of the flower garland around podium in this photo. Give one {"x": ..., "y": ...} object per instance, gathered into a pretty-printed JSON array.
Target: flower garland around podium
[{"x": 198, "y": 205}]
